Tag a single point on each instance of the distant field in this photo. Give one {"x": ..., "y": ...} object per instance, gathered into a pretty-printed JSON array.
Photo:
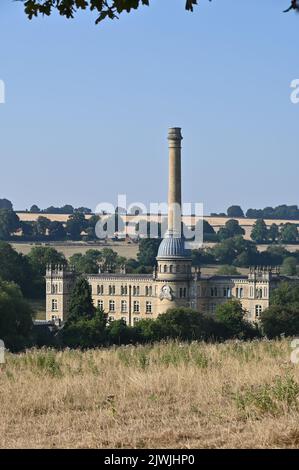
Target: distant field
[
  {"x": 68, "y": 249},
  {"x": 216, "y": 222},
  {"x": 170, "y": 395}
]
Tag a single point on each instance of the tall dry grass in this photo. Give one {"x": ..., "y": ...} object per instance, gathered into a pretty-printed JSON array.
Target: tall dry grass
[{"x": 239, "y": 395}]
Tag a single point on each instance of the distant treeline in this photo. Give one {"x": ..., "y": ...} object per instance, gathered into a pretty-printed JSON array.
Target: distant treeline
[{"x": 279, "y": 212}]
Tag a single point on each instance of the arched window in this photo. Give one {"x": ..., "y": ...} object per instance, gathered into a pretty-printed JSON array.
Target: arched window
[
  {"x": 165, "y": 268},
  {"x": 171, "y": 268},
  {"x": 146, "y": 290},
  {"x": 150, "y": 291}
]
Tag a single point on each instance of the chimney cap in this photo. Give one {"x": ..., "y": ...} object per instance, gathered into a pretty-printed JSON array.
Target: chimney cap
[{"x": 174, "y": 133}]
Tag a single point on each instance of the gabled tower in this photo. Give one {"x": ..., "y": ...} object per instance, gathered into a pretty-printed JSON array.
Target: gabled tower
[{"x": 174, "y": 263}]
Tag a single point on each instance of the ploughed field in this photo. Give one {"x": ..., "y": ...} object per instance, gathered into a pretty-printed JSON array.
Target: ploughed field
[{"x": 169, "y": 395}]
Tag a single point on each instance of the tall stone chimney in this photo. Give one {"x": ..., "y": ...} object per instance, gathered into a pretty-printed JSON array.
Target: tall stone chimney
[{"x": 174, "y": 182}]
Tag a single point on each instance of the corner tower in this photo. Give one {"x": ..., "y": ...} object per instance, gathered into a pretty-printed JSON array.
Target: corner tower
[{"x": 174, "y": 263}]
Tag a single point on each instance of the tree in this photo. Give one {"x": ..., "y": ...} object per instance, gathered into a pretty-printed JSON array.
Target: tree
[
  {"x": 75, "y": 225},
  {"x": 235, "y": 211},
  {"x": 182, "y": 323},
  {"x": 86, "y": 332},
  {"x": 27, "y": 229},
  {"x": 15, "y": 317},
  {"x": 56, "y": 231},
  {"x": 287, "y": 294},
  {"x": 40, "y": 256},
  {"x": 9, "y": 223},
  {"x": 34, "y": 209},
  {"x": 118, "y": 332},
  {"x": 231, "y": 316},
  {"x": 236, "y": 251},
  {"x": 231, "y": 229},
  {"x": 104, "y": 9},
  {"x": 228, "y": 270},
  {"x": 42, "y": 226},
  {"x": 280, "y": 319},
  {"x": 6, "y": 204},
  {"x": 16, "y": 267},
  {"x": 81, "y": 305},
  {"x": 259, "y": 232},
  {"x": 148, "y": 250},
  {"x": 273, "y": 233},
  {"x": 289, "y": 266},
  {"x": 87, "y": 263},
  {"x": 289, "y": 233}
]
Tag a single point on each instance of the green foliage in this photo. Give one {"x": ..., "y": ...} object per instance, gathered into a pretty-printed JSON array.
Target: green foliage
[
  {"x": 228, "y": 270},
  {"x": 259, "y": 231},
  {"x": 16, "y": 267},
  {"x": 282, "y": 317},
  {"x": 6, "y": 204},
  {"x": 289, "y": 233},
  {"x": 272, "y": 399},
  {"x": 231, "y": 316},
  {"x": 280, "y": 320},
  {"x": 86, "y": 332},
  {"x": 289, "y": 266},
  {"x": 235, "y": 211},
  {"x": 87, "y": 263},
  {"x": 40, "y": 256},
  {"x": 9, "y": 223},
  {"x": 148, "y": 249},
  {"x": 81, "y": 304},
  {"x": 76, "y": 223},
  {"x": 119, "y": 333},
  {"x": 231, "y": 229},
  {"x": 273, "y": 233},
  {"x": 15, "y": 317},
  {"x": 279, "y": 212},
  {"x": 236, "y": 251},
  {"x": 202, "y": 256}
]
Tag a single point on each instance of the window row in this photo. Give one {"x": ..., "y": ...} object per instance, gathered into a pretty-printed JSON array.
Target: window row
[
  {"x": 124, "y": 306},
  {"x": 221, "y": 292},
  {"x": 124, "y": 290},
  {"x": 179, "y": 268}
]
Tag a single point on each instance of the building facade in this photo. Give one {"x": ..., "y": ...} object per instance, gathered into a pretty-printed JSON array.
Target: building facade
[{"x": 174, "y": 282}]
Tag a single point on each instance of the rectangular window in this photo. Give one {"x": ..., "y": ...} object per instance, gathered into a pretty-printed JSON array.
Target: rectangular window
[
  {"x": 136, "y": 306},
  {"x": 148, "y": 307},
  {"x": 258, "y": 311},
  {"x": 124, "y": 319},
  {"x": 54, "y": 305},
  {"x": 123, "y": 306},
  {"x": 111, "y": 306},
  {"x": 101, "y": 304},
  {"x": 136, "y": 319}
]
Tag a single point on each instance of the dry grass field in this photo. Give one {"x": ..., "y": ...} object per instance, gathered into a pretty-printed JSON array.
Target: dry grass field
[
  {"x": 239, "y": 395},
  {"x": 69, "y": 249}
]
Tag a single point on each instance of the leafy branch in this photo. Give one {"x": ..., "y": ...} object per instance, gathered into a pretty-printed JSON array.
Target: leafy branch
[{"x": 104, "y": 8}]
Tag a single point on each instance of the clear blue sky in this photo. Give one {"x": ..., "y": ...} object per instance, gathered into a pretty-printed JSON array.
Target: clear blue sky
[{"x": 88, "y": 107}]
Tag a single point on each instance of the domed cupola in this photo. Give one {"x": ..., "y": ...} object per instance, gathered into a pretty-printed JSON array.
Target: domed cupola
[{"x": 172, "y": 247}]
